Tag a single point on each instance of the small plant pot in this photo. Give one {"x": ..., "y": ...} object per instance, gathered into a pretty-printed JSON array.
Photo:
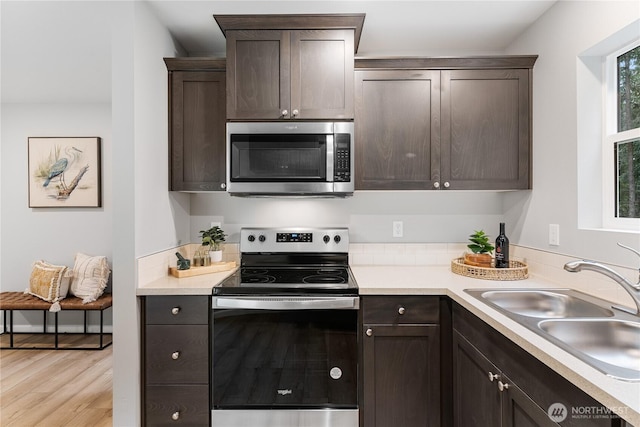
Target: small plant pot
[
  {"x": 478, "y": 260},
  {"x": 216, "y": 256}
]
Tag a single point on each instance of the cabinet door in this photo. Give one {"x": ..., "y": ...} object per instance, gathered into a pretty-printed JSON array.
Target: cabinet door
[
  {"x": 485, "y": 129},
  {"x": 197, "y": 129},
  {"x": 401, "y": 383},
  {"x": 518, "y": 410},
  {"x": 397, "y": 133},
  {"x": 322, "y": 72},
  {"x": 476, "y": 400},
  {"x": 258, "y": 74}
]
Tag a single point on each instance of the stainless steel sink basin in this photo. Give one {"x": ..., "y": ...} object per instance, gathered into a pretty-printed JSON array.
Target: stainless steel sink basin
[
  {"x": 612, "y": 344},
  {"x": 543, "y": 303},
  {"x": 585, "y": 326}
]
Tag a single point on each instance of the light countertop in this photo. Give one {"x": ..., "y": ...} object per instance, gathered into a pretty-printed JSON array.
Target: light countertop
[{"x": 621, "y": 396}]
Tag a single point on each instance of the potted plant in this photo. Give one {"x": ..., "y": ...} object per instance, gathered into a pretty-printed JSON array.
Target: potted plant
[
  {"x": 481, "y": 249},
  {"x": 212, "y": 238}
]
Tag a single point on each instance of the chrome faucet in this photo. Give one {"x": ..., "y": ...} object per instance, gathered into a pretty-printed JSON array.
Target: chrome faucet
[{"x": 632, "y": 289}]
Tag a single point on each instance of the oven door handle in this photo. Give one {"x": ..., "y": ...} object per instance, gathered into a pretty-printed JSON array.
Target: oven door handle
[{"x": 287, "y": 303}]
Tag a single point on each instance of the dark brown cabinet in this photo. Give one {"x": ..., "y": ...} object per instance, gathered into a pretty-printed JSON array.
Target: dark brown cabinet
[
  {"x": 175, "y": 359},
  {"x": 496, "y": 382},
  {"x": 400, "y": 361},
  {"x": 303, "y": 74},
  {"x": 197, "y": 115},
  {"x": 397, "y": 129},
  {"x": 443, "y": 123},
  {"x": 282, "y": 67}
]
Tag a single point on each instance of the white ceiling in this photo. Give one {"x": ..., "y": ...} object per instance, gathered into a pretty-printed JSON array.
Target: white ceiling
[{"x": 59, "y": 51}]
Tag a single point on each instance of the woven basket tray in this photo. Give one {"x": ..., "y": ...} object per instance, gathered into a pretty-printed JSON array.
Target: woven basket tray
[{"x": 517, "y": 271}]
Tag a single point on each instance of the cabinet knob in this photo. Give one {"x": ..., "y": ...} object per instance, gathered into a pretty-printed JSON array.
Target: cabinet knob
[
  {"x": 436, "y": 184},
  {"x": 175, "y": 355},
  {"x": 223, "y": 185},
  {"x": 446, "y": 184},
  {"x": 175, "y": 416},
  {"x": 502, "y": 386},
  {"x": 295, "y": 113},
  {"x": 369, "y": 332},
  {"x": 493, "y": 376},
  {"x": 401, "y": 310},
  {"x": 175, "y": 310},
  {"x": 284, "y": 113}
]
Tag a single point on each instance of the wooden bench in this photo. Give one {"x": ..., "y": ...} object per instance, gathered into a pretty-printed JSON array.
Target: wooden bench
[{"x": 12, "y": 301}]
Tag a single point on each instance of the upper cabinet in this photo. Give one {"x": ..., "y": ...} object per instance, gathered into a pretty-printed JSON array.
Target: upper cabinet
[
  {"x": 443, "y": 123},
  {"x": 287, "y": 67},
  {"x": 197, "y": 100}
]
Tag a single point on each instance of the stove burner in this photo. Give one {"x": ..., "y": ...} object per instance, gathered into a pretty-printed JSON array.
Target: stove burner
[
  {"x": 256, "y": 276},
  {"x": 323, "y": 278}
]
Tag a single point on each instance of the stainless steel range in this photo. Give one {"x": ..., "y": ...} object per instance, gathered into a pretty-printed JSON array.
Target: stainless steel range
[{"x": 284, "y": 347}]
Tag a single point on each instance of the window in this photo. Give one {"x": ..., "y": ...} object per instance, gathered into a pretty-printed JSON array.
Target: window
[{"x": 621, "y": 148}]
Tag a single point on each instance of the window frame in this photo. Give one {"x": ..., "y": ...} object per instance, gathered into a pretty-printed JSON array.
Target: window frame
[{"x": 610, "y": 137}]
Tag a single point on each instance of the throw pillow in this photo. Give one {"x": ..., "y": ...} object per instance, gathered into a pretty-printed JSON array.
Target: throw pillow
[
  {"x": 90, "y": 275},
  {"x": 49, "y": 282}
]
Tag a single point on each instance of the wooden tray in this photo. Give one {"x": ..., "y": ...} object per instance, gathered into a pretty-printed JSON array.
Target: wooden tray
[{"x": 197, "y": 271}]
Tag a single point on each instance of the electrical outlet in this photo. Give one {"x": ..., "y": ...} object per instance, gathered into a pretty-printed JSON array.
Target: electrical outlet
[
  {"x": 397, "y": 229},
  {"x": 554, "y": 234}
]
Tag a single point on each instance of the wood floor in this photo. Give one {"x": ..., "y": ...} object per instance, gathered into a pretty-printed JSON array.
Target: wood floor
[{"x": 48, "y": 388}]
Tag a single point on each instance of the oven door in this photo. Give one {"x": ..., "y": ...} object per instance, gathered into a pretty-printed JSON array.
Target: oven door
[{"x": 284, "y": 361}]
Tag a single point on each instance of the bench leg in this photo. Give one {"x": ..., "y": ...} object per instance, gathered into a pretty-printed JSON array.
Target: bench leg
[
  {"x": 10, "y": 328},
  {"x": 101, "y": 326},
  {"x": 56, "y": 329}
]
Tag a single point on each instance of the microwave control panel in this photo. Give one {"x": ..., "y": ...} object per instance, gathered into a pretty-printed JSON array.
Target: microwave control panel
[{"x": 342, "y": 163}]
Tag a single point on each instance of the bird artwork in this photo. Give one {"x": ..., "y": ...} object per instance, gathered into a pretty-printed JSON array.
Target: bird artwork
[{"x": 61, "y": 165}]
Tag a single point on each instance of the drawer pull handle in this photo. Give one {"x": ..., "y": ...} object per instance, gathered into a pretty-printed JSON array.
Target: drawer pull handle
[
  {"x": 175, "y": 355},
  {"x": 175, "y": 416},
  {"x": 175, "y": 310},
  {"x": 369, "y": 332},
  {"x": 401, "y": 310},
  {"x": 502, "y": 386},
  {"x": 493, "y": 376}
]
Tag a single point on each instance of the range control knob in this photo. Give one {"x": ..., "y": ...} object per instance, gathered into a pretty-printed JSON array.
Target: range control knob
[
  {"x": 326, "y": 238},
  {"x": 251, "y": 238},
  {"x": 262, "y": 238},
  {"x": 337, "y": 239}
]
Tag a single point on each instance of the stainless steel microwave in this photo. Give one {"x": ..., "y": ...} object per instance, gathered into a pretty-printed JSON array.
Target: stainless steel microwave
[{"x": 290, "y": 158}]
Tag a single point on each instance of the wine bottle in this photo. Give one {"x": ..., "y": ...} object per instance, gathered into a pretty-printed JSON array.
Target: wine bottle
[{"x": 502, "y": 249}]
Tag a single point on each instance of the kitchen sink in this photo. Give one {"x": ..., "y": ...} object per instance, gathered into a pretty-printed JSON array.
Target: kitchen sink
[
  {"x": 585, "y": 326},
  {"x": 545, "y": 304},
  {"x": 613, "y": 342}
]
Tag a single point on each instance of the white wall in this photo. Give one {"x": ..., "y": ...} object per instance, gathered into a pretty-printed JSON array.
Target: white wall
[
  {"x": 559, "y": 37},
  {"x": 428, "y": 216},
  {"x": 52, "y": 234},
  {"x": 146, "y": 218}
]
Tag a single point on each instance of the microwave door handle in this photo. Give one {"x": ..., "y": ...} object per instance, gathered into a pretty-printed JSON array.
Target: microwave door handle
[
  {"x": 330, "y": 157},
  {"x": 284, "y": 303}
]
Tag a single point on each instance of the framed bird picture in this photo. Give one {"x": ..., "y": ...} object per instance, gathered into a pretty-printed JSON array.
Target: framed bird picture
[{"x": 64, "y": 172}]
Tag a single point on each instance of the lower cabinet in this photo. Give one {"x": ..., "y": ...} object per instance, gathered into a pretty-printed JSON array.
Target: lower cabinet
[
  {"x": 400, "y": 344},
  {"x": 175, "y": 357},
  {"x": 497, "y": 383}
]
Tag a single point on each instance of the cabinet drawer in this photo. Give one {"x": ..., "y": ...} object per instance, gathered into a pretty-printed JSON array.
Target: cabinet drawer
[
  {"x": 177, "y": 310},
  {"x": 177, "y": 354},
  {"x": 177, "y": 406},
  {"x": 400, "y": 309}
]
